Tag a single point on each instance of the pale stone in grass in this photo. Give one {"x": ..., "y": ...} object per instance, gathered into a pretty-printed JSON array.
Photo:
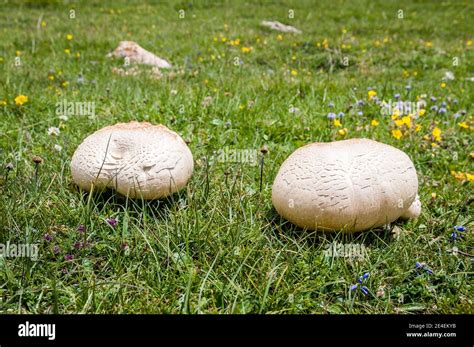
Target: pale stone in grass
[
  {"x": 138, "y": 55},
  {"x": 275, "y": 25},
  {"x": 137, "y": 159},
  {"x": 350, "y": 185}
]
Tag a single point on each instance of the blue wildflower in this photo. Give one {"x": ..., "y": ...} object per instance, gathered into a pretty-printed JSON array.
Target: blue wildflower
[
  {"x": 454, "y": 235},
  {"x": 354, "y": 287},
  {"x": 408, "y": 87},
  {"x": 459, "y": 228},
  {"x": 366, "y": 275},
  {"x": 397, "y": 96},
  {"x": 432, "y": 98},
  {"x": 364, "y": 290},
  {"x": 442, "y": 110},
  {"x": 331, "y": 105},
  {"x": 360, "y": 103},
  {"x": 419, "y": 265},
  {"x": 434, "y": 108},
  {"x": 360, "y": 113},
  {"x": 331, "y": 115},
  {"x": 341, "y": 114}
]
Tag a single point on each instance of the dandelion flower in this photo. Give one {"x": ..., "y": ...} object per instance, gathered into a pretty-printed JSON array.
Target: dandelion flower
[
  {"x": 463, "y": 125},
  {"x": 397, "y": 134},
  {"x": 69, "y": 37},
  {"x": 436, "y": 134},
  {"x": 21, "y": 99},
  {"x": 371, "y": 94},
  {"x": 374, "y": 122}
]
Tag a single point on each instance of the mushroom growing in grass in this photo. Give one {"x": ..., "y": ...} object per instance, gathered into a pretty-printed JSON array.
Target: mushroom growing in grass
[
  {"x": 137, "y": 159},
  {"x": 350, "y": 185}
]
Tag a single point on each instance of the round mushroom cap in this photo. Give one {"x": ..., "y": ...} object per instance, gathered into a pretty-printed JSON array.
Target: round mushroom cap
[
  {"x": 137, "y": 159},
  {"x": 349, "y": 185}
]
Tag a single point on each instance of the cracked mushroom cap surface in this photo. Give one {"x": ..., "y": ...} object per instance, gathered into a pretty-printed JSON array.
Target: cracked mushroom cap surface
[
  {"x": 137, "y": 159},
  {"x": 349, "y": 185}
]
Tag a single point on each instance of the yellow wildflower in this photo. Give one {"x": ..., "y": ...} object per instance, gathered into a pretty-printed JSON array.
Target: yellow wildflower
[
  {"x": 374, "y": 122},
  {"x": 69, "y": 37},
  {"x": 407, "y": 121},
  {"x": 280, "y": 37},
  {"x": 67, "y": 51},
  {"x": 246, "y": 49},
  {"x": 21, "y": 99},
  {"x": 436, "y": 134},
  {"x": 3, "y": 103},
  {"x": 470, "y": 177},
  {"x": 294, "y": 72},
  {"x": 421, "y": 112},
  {"x": 342, "y": 131},
  {"x": 397, "y": 134},
  {"x": 463, "y": 125},
  {"x": 337, "y": 123},
  {"x": 443, "y": 85},
  {"x": 371, "y": 94}
]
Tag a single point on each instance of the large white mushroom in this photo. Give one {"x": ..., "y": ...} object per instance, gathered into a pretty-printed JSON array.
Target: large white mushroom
[
  {"x": 350, "y": 185},
  {"x": 138, "y": 159}
]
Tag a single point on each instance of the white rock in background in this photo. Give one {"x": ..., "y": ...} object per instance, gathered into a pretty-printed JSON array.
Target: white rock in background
[
  {"x": 138, "y": 159},
  {"x": 138, "y": 55},
  {"x": 274, "y": 25},
  {"x": 350, "y": 185}
]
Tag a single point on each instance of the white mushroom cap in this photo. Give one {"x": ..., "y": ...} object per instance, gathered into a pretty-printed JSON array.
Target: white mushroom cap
[
  {"x": 350, "y": 185},
  {"x": 139, "y": 160}
]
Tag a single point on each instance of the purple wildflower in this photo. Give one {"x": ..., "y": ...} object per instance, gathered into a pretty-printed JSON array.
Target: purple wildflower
[
  {"x": 56, "y": 249},
  {"x": 331, "y": 115},
  {"x": 442, "y": 110},
  {"x": 433, "y": 99},
  {"x": 68, "y": 257},
  {"x": 397, "y": 96},
  {"x": 111, "y": 221},
  {"x": 360, "y": 103},
  {"x": 81, "y": 228},
  {"x": 78, "y": 245},
  {"x": 47, "y": 237}
]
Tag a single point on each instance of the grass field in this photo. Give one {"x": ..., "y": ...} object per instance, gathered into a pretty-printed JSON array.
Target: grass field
[{"x": 219, "y": 246}]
